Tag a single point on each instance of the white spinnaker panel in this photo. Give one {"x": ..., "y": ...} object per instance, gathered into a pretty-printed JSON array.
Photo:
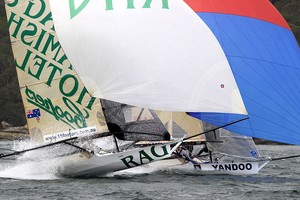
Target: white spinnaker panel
[{"x": 155, "y": 57}]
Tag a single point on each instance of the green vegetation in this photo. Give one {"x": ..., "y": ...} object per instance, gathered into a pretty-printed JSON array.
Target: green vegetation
[
  {"x": 11, "y": 106},
  {"x": 290, "y": 10}
]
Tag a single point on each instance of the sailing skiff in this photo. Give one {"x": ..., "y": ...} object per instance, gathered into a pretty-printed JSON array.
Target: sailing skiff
[{"x": 79, "y": 64}]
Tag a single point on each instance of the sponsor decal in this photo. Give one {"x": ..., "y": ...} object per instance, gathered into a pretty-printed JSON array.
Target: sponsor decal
[
  {"x": 253, "y": 154},
  {"x": 109, "y": 5},
  {"x": 146, "y": 155},
  {"x": 228, "y": 166},
  {"x": 65, "y": 135},
  {"x": 71, "y": 116}
]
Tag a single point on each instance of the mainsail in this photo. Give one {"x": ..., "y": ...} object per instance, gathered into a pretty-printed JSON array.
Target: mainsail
[
  {"x": 265, "y": 59},
  {"x": 155, "y": 54},
  {"x": 57, "y": 104}
]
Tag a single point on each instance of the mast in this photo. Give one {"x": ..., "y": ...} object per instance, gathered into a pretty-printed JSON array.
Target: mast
[
  {"x": 116, "y": 142},
  {"x": 170, "y": 123}
]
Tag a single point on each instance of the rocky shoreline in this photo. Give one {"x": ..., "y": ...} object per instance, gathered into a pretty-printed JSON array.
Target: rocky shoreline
[
  {"x": 7, "y": 132},
  {"x": 267, "y": 142},
  {"x": 13, "y": 136}
]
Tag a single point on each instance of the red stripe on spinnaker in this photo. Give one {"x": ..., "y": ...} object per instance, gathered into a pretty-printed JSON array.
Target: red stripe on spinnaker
[{"x": 258, "y": 9}]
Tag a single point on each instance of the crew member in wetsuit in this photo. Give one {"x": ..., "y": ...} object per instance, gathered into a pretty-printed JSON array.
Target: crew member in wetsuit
[
  {"x": 206, "y": 150},
  {"x": 185, "y": 154}
]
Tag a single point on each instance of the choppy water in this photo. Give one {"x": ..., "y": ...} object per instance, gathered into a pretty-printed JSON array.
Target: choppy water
[{"x": 278, "y": 180}]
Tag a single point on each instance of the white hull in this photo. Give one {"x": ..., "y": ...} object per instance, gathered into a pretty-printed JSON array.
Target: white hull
[
  {"x": 86, "y": 164},
  {"x": 231, "y": 168},
  {"x": 237, "y": 168},
  {"x": 152, "y": 167}
]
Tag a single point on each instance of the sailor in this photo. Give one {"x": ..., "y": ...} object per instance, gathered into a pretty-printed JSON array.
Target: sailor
[
  {"x": 185, "y": 154},
  {"x": 206, "y": 150}
]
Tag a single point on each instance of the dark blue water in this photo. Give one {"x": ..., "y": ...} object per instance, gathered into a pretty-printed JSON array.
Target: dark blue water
[{"x": 278, "y": 180}]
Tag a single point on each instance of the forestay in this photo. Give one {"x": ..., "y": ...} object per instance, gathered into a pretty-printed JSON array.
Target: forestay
[{"x": 154, "y": 54}]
